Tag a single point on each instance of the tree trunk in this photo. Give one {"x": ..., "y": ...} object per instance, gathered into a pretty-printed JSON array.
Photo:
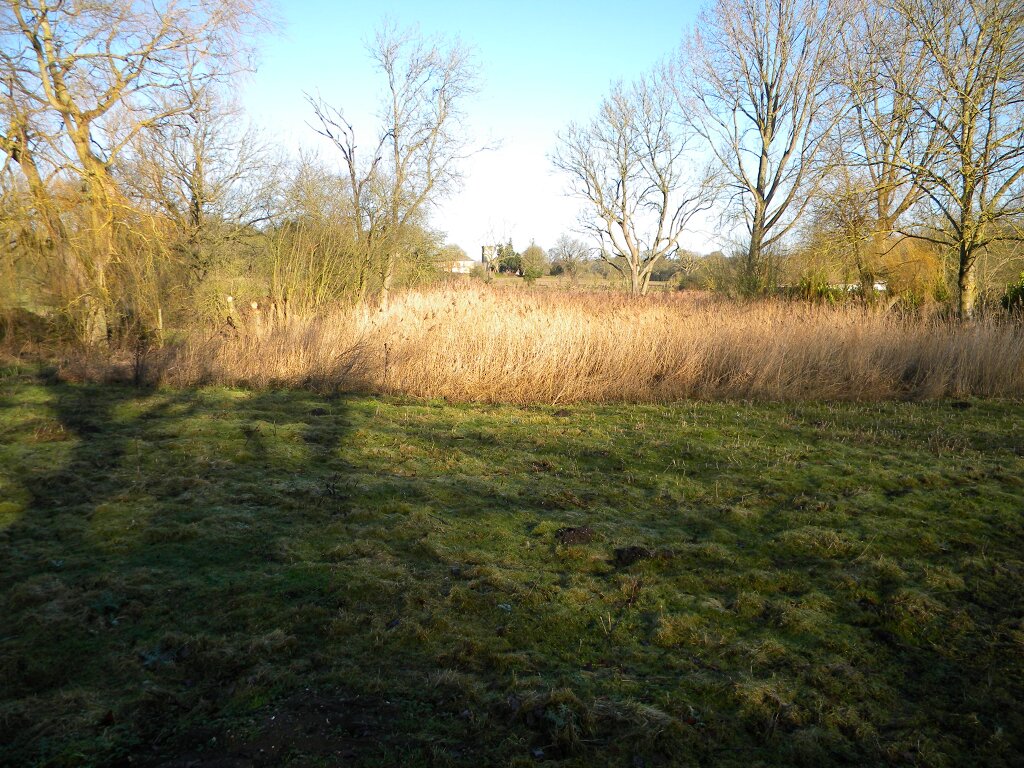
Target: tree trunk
[
  {"x": 96, "y": 327},
  {"x": 363, "y": 283},
  {"x": 100, "y": 199},
  {"x": 966, "y": 283},
  {"x": 751, "y": 278},
  {"x": 388, "y": 278},
  {"x": 96, "y": 296},
  {"x": 645, "y": 283},
  {"x": 871, "y": 266},
  {"x": 635, "y": 280}
]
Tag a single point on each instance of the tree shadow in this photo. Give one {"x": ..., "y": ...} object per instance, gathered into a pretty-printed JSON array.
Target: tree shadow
[
  {"x": 159, "y": 567},
  {"x": 217, "y": 577}
]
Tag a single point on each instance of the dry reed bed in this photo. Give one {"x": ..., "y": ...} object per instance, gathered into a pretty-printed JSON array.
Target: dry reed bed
[{"x": 475, "y": 344}]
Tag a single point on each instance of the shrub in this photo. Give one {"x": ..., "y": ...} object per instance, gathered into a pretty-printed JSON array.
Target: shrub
[{"x": 1013, "y": 299}]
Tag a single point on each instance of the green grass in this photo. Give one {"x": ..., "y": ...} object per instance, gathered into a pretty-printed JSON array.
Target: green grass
[{"x": 233, "y": 578}]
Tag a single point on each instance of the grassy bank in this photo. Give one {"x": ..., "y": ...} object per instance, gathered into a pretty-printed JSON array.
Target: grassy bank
[
  {"x": 492, "y": 345},
  {"x": 236, "y": 578}
]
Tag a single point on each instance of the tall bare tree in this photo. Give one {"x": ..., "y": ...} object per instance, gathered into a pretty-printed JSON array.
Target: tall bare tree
[
  {"x": 631, "y": 167},
  {"x": 363, "y": 185},
  {"x": 105, "y": 71},
  {"x": 413, "y": 160},
  {"x": 755, "y": 81},
  {"x": 972, "y": 100},
  {"x": 883, "y": 78}
]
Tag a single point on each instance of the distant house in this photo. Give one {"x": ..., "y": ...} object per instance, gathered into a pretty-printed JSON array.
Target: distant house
[
  {"x": 880, "y": 286},
  {"x": 454, "y": 260},
  {"x": 463, "y": 266}
]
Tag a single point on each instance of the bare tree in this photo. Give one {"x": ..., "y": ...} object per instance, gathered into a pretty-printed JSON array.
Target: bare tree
[
  {"x": 106, "y": 71},
  {"x": 972, "y": 101},
  {"x": 313, "y": 258},
  {"x": 883, "y": 78},
  {"x": 755, "y": 81},
  {"x": 19, "y": 139},
  {"x": 630, "y": 166},
  {"x": 413, "y": 161},
  {"x": 213, "y": 180},
  {"x": 38, "y": 223},
  {"x": 362, "y": 173},
  {"x": 865, "y": 198},
  {"x": 568, "y": 256}
]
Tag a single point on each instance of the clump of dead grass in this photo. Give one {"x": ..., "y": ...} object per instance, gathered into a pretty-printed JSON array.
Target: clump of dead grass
[{"x": 476, "y": 344}]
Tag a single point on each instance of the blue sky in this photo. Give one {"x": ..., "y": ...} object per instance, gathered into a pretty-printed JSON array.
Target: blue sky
[{"x": 543, "y": 64}]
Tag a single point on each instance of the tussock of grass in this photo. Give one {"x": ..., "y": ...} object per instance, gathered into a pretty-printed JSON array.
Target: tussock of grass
[
  {"x": 475, "y": 344},
  {"x": 274, "y": 578}
]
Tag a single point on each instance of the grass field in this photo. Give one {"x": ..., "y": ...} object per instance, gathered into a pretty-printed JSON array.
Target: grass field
[{"x": 222, "y": 577}]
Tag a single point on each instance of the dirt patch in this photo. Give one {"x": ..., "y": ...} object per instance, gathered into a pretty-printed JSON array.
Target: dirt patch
[
  {"x": 574, "y": 535},
  {"x": 623, "y": 557},
  {"x": 337, "y": 730}
]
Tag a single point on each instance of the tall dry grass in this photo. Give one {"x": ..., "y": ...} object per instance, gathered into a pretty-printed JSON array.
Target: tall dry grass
[{"x": 476, "y": 344}]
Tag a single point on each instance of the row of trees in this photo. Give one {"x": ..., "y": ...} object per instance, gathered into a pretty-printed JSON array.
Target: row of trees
[
  {"x": 880, "y": 129},
  {"x": 890, "y": 121},
  {"x": 573, "y": 260},
  {"x": 531, "y": 263},
  {"x": 86, "y": 89},
  {"x": 129, "y": 192}
]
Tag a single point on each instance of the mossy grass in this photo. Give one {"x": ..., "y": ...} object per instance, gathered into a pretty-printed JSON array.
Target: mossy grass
[{"x": 287, "y": 578}]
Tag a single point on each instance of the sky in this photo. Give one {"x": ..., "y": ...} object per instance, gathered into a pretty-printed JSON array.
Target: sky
[{"x": 542, "y": 65}]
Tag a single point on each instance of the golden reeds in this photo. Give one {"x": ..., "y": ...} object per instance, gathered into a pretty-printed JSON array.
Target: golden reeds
[{"x": 477, "y": 344}]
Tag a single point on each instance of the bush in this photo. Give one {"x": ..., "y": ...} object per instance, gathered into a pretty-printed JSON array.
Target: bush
[
  {"x": 1013, "y": 299},
  {"x": 817, "y": 289},
  {"x": 534, "y": 263}
]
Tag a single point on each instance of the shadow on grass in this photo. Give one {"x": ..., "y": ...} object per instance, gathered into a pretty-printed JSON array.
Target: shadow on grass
[
  {"x": 158, "y": 585},
  {"x": 227, "y": 578}
]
